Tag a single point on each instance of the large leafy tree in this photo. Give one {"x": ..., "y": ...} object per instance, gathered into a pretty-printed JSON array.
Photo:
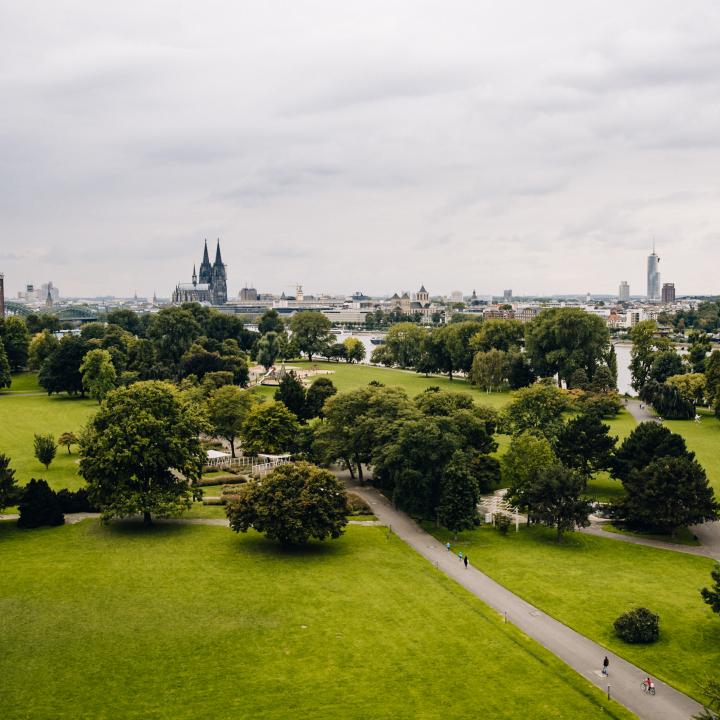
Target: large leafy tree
[
  {"x": 669, "y": 492},
  {"x": 141, "y": 452},
  {"x": 319, "y": 391},
  {"x": 294, "y": 503},
  {"x": 537, "y": 409},
  {"x": 269, "y": 428},
  {"x": 404, "y": 344},
  {"x": 435, "y": 355},
  {"x": 270, "y": 321},
  {"x": 665, "y": 364},
  {"x": 712, "y": 377},
  {"x": 459, "y": 494},
  {"x": 310, "y": 332},
  {"x": 503, "y": 335},
  {"x": 354, "y": 350},
  {"x": 291, "y": 392},
  {"x": 126, "y": 319},
  {"x": 520, "y": 372},
  {"x": 646, "y": 344},
  {"x": 98, "y": 374},
  {"x": 41, "y": 347},
  {"x": 268, "y": 349},
  {"x": 561, "y": 340},
  {"x": 556, "y": 499},
  {"x": 489, "y": 369},
  {"x": 173, "y": 330},
  {"x": 60, "y": 372},
  {"x": 227, "y": 409},
  {"x": 527, "y": 455},
  {"x": 433, "y": 401},
  {"x": 585, "y": 444},
  {"x": 16, "y": 338},
  {"x": 458, "y": 339},
  {"x": 691, "y": 386},
  {"x": 698, "y": 350}
]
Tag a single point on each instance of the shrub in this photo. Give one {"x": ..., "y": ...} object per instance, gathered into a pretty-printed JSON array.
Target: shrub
[
  {"x": 75, "y": 502},
  {"x": 45, "y": 449},
  {"x": 502, "y": 523},
  {"x": 638, "y": 626},
  {"x": 39, "y": 506},
  {"x": 221, "y": 480},
  {"x": 357, "y": 505}
]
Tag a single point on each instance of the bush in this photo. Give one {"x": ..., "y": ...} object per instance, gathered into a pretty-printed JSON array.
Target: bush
[
  {"x": 357, "y": 505},
  {"x": 502, "y": 523},
  {"x": 75, "y": 502},
  {"x": 221, "y": 480},
  {"x": 39, "y": 506},
  {"x": 638, "y": 626}
]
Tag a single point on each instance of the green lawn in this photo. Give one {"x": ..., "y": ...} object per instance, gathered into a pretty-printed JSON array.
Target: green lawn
[
  {"x": 24, "y": 382},
  {"x": 350, "y": 376},
  {"x": 588, "y": 581},
  {"x": 704, "y": 439},
  {"x": 23, "y": 416},
  {"x": 193, "y": 621}
]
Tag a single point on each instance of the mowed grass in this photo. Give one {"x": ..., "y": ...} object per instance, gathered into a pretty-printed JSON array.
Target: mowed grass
[
  {"x": 588, "y": 582},
  {"x": 25, "y": 382},
  {"x": 703, "y": 438},
  {"x": 192, "y": 621},
  {"x": 21, "y": 417}
]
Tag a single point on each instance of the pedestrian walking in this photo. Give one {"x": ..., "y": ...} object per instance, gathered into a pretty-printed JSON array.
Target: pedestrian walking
[
  {"x": 606, "y": 662},
  {"x": 460, "y": 555},
  {"x": 447, "y": 545},
  {"x": 466, "y": 561}
]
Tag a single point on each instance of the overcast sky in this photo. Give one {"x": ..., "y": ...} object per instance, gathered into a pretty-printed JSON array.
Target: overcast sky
[{"x": 364, "y": 145}]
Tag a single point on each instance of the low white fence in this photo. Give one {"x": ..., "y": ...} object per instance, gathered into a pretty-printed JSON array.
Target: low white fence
[{"x": 250, "y": 465}]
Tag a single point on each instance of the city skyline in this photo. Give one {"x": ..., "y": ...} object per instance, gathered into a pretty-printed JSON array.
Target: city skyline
[{"x": 538, "y": 148}]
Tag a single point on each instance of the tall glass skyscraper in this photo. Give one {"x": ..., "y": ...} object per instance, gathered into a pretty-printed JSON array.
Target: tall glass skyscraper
[{"x": 653, "y": 277}]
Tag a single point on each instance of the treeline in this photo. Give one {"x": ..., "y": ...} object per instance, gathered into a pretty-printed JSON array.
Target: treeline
[
  {"x": 704, "y": 318},
  {"x": 674, "y": 384},
  {"x": 564, "y": 342}
]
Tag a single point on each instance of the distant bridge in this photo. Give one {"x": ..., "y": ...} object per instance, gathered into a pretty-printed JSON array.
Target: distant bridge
[
  {"x": 72, "y": 313},
  {"x": 13, "y": 308}
]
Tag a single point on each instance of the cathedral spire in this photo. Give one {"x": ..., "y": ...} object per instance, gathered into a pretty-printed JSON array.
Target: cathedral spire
[
  {"x": 194, "y": 276},
  {"x": 218, "y": 257},
  {"x": 206, "y": 257}
]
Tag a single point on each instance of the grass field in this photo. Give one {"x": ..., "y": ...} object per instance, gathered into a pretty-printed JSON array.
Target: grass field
[
  {"x": 192, "y": 621},
  {"x": 587, "y": 582},
  {"x": 703, "y": 439},
  {"x": 23, "y": 416},
  {"x": 25, "y": 382}
]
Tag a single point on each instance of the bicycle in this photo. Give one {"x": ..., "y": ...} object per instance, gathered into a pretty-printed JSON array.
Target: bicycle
[{"x": 647, "y": 689}]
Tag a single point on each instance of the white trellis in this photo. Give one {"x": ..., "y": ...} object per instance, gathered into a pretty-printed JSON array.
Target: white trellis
[
  {"x": 497, "y": 504},
  {"x": 260, "y": 465}
]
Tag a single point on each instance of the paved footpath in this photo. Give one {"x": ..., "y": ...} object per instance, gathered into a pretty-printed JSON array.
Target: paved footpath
[
  {"x": 640, "y": 411},
  {"x": 580, "y": 653}
]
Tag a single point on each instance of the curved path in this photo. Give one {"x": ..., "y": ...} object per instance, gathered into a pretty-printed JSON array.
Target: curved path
[
  {"x": 640, "y": 412},
  {"x": 579, "y": 652}
]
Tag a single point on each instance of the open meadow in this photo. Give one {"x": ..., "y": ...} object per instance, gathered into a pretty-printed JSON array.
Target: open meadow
[
  {"x": 181, "y": 621},
  {"x": 587, "y": 582}
]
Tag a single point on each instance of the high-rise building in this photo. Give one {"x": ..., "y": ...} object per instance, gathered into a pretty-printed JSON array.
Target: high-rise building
[
  {"x": 456, "y": 296},
  {"x": 624, "y": 291},
  {"x": 668, "y": 293},
  {"x": 653, "y": 277},
  {"x": 2, "y": 295},
  {"x": 507, "y": 296}
]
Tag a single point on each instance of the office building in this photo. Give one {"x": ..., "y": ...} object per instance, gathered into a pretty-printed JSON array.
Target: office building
[
  {"x": 653, "y": 277},
  {"x": 668, "y": 293},
  {"x": 624, "y": 291}
]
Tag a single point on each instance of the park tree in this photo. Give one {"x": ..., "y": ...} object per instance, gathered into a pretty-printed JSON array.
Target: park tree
[
  {"x": 561, "y": 340},
  {"x": 5, "y": 375},
  {"x": 585, "y": 444},
  {"x": 437, "y": 402},
  {"x": 648, "y": 441},
  {"x": 43, "y": 321},
  {"x": 691, "y": 386},
  {"x": 294, "y": 503},
  {"x": 537, "y": 409},
  {"x": 16, "y": 339},
  {"x": 141, "y": 452},
  {"x": 459, "y": 494},
  {"x": 502, "y": 335},
  {"x": 435, "y": 355},
  {"x": 60, "y": 372},
  {"x": 668, "y": 400},
  {"x": 603, "y": 380},
  {"x": 319, "y": 391},
  {"x": 42, "y": 346},
  {"x": 270, "y": 321},
  {"x": 173, "y": 330},
  {"x": 98, "y": 374},
  {"x": 458, "y": 339},
  {"x": 8, "y": 485},
  {"x": 520, "y": 372},
  {"x": 698, "y": 350},
  {"x": 712, "y": 377},
  {"x": 291, "y": 392},
  {"x": 126, "y": 319},
  {"x": 92, "y": 331},
  {"x": 668, "y": 493},
  {"x": 227, "y": 409},
  {"x": 578, "y": 380},
  {"x": 357, "y": 422},
  {"x": 141, "y": 359},
  {"x": 310, "y": 332},
  {"x": 404, "y": 344},
  {"x": 556, "y": 498},
  {"x": 710, "y": 595},
  {"x": 45, "y": 449},
  {"x": 354, "y": 350},
  {"x": 489, "y": 369},
  {"x": 67, "y": 439},
  {"x": 527, "y": 455},
  {"x": 665, "y": 364},
  {"x": 646, "y": 344},
  {"x": 268, "y": 349},
  {"x": 269, "y": 428}
]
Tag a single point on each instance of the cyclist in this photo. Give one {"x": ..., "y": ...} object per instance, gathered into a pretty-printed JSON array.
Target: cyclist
[{"x": 649, "y": 685}]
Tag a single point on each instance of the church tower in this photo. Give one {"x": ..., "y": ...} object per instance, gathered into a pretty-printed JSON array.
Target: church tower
[
  {"x": 205, "y": 268},
  {"x": 219, "y": 278}
]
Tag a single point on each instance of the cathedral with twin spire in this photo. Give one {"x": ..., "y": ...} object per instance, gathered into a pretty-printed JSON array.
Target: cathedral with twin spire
[{"x": 210, "y": 286}]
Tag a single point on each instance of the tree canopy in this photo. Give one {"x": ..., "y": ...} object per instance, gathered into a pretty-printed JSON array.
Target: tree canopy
[{"x": 310, "y": 332}]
